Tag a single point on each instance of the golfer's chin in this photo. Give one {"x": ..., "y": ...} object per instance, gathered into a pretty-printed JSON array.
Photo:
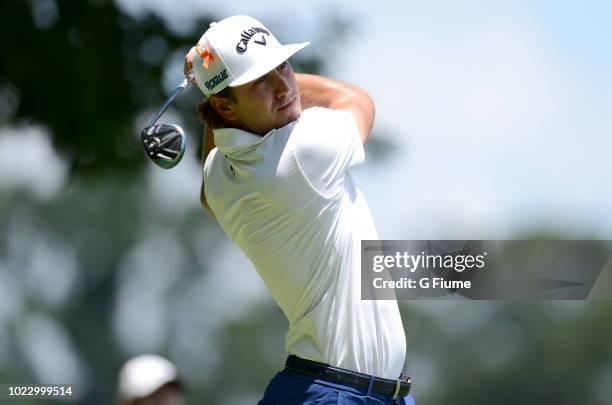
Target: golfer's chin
[
  {"x": 294, "y": 115},
  {"x": 289, "y": 113}
]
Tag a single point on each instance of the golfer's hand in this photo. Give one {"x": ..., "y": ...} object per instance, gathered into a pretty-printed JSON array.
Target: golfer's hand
[{"x": 188, "y": 65}]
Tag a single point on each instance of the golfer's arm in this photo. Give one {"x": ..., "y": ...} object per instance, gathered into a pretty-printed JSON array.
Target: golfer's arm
[
  {"x": 209, "y": 144},
  {"x": 329, "y": 93}
]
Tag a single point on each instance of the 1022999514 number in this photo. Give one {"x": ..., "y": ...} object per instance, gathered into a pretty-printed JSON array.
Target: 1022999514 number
[{"x": 41, "y": 391}]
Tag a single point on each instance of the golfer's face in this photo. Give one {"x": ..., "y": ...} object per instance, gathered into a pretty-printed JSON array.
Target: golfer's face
[{"x": 270, "y": 102}]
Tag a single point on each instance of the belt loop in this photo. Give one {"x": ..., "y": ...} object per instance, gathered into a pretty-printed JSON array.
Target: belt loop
[
  {"x": 370, "y": 385},
  {"x": 397, "y": 388}
]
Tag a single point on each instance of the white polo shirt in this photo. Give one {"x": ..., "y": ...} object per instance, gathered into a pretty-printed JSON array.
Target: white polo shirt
[{"x": 287, "y": 200}]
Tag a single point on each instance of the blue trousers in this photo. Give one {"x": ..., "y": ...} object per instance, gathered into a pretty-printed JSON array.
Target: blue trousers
[{"x": 292, "y": 388}]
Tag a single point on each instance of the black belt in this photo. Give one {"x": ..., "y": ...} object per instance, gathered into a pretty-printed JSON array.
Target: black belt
[{"x": 392, "y": 388}]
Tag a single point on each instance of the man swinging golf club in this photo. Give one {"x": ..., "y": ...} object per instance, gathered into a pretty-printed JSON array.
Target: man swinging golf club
[{"x": 276, "y": 178}]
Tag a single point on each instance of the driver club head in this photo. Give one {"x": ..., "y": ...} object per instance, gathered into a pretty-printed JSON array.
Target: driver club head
[{"x": 164, "y": 144}]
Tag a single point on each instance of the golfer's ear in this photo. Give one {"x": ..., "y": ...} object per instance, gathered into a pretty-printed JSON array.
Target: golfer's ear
[{"x": 223, "y": 107}]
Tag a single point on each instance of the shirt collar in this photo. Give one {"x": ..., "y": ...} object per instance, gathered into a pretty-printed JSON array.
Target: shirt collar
[
  {"x": 230, "y": 138},
  {"x": 233, "y": 140}
]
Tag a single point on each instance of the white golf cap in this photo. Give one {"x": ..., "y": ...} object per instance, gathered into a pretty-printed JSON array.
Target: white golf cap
[
  {"x": 143, "y": 375},
  {"x": 235, "y": 51}
]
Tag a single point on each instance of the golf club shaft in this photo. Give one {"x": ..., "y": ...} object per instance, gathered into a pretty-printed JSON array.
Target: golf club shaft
[{"x": 176, "y": 92}]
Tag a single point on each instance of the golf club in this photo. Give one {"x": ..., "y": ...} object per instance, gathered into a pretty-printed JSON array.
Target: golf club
[{"x": 165, "y": 143}]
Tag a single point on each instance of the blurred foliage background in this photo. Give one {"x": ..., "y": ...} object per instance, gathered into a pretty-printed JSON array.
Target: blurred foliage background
[{"x": 104, "y": 256}]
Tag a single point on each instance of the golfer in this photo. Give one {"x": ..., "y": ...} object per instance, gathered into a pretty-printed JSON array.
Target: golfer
[{"x": 276, "y": 178}]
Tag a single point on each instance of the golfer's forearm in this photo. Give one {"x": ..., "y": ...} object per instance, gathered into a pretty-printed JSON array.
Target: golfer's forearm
[{"x": 323, "y": 92}]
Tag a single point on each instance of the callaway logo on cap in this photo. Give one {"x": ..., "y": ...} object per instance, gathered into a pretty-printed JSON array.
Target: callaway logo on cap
[{"x": 235, "y": 51}]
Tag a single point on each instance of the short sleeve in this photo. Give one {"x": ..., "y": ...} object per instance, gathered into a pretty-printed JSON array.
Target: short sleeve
[{"x": 327, "y": 143}]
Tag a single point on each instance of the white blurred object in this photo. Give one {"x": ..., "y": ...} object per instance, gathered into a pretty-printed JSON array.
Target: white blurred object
[
  {"x": 28, "y": 161},
  {"x": 141, "y": 376}
]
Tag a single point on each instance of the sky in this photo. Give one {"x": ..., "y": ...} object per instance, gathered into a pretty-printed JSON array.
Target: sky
[{"x": 503, "y": 114}]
